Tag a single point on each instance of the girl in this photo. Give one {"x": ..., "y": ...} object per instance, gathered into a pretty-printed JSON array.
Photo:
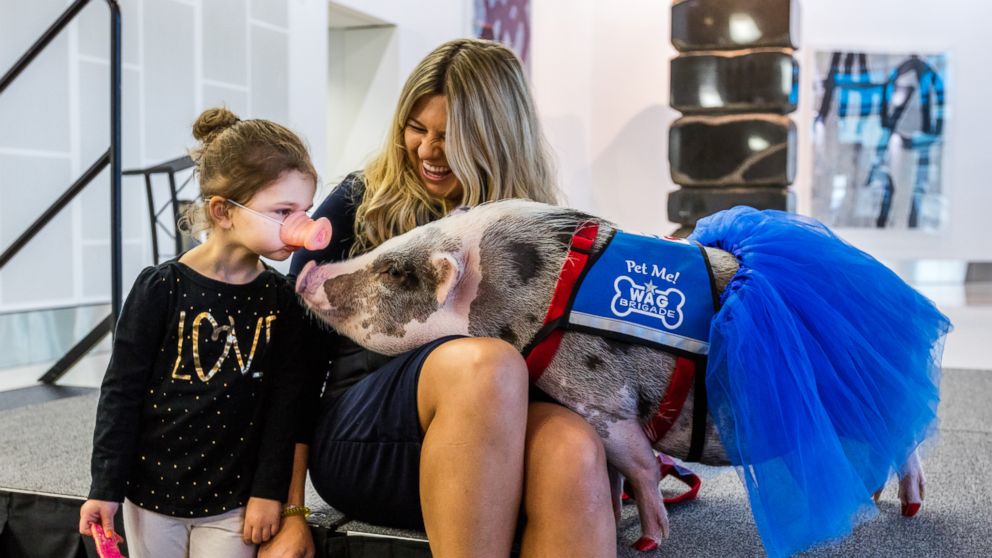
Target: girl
[{"x": 193, "y": 424}]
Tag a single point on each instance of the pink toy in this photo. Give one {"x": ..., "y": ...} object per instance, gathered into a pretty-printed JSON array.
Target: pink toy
[
  {"x": 106, "y": 546},
  {"x": 300, "y": 230}
]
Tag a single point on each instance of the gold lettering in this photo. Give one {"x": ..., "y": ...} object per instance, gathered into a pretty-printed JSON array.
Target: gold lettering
[
  {"x": 267, "y": 321},
  {"x": 179, "y": 350},
  {"x": 230, "y": 341},
  {"x": 217, "y": 331}
]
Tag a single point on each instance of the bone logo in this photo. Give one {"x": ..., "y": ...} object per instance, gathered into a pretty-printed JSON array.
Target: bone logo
[{"x": 647, "y": 300}]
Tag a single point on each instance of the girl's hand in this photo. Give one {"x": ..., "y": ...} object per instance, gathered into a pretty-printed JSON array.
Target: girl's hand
[
  {"x": 100, "y": 512},
  {"x": 261, "y": 520}
]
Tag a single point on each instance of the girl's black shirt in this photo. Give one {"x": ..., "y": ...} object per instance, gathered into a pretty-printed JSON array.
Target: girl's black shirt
[{"x": 197, "y": 409}]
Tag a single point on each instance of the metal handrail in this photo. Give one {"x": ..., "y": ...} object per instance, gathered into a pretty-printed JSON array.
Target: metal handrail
[
  {"x": 116, "y": 227},
  {"x": 111, "y": 158},
  {"x": 55, "y": 208},
  {"x": 48, "y": 36},
  {"x": 77, "y": 352}
]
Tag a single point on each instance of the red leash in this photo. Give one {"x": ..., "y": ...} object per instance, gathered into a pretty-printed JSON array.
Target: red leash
[{"x": 669, "y": 467}]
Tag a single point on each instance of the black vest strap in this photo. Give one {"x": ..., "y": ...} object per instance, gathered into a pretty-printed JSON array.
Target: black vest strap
[{"x": 699, "y": 412}]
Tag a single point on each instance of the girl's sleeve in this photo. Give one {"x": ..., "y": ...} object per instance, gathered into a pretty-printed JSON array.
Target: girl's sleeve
[{"x": 137, "y": 341}]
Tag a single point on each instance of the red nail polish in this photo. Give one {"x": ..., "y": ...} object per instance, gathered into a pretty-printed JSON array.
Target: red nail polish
[
  {"x": 644, "y": 544},
  {"x": 909, "y": 510}
]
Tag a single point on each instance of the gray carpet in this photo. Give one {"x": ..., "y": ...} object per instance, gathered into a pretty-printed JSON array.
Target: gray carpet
[{"x": 46, "y": 449}]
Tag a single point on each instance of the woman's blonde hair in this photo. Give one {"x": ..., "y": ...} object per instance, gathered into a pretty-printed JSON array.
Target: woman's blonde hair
[
  {"x": 236, "y": 158},
  {"x": 493, "y": 142}
]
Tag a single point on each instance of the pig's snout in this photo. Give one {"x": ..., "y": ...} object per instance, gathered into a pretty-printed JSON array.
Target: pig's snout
[
  {"x": 310, "y": 286},
  {"x": 302, "y": 281}
]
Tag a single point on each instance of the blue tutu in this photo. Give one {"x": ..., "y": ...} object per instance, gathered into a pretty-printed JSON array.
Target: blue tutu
[{"x": 823, "y": 374}]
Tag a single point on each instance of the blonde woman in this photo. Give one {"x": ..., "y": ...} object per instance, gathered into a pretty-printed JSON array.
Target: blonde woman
[{"x": 448, "y": 437}]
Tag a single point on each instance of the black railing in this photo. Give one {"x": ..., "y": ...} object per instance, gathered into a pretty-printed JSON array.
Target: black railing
[
  {"x": 174, "y": 204},
  {"x": 77, "y": 351},
  {"x": 55, "y": 208},
  {"x": 111, "y": 158}
]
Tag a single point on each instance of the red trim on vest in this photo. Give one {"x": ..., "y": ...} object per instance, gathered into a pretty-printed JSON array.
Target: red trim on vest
[
  {"x": 575, "y": 262},
  {"x": 671, "y": 404}
]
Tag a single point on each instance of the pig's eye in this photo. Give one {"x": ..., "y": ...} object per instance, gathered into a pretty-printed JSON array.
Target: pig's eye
[
  {"x": 396, "y": 273},
  {"x": 399, "y": 275}
]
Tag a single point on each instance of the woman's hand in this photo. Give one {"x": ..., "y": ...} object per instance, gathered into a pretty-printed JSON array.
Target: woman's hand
[
  {"x": 261, "y": 520},
  {"x": 293, "y": 541},
  {"x": 100, "y": 512}
]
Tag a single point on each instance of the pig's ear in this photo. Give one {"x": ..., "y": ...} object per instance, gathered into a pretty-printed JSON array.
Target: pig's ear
[{"x": 448, "y": 267}]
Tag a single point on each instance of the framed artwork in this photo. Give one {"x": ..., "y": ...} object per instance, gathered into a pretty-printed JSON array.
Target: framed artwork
[
  {"x": 506, "y": 21},
  {"x": 878, "y": 140}
]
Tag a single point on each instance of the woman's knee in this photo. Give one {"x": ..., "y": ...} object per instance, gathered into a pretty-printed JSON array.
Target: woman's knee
[
  {"x": 475, "y": 371},
  {"x": 564, "y": 457},
  {"x": 562, "y": 444}
]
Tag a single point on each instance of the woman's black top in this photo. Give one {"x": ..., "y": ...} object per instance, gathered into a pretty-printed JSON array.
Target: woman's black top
[{"x": 342, "y": 361}]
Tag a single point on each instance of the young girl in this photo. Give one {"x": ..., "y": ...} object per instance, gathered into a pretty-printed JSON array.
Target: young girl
[{"x": 194, "y": 425}]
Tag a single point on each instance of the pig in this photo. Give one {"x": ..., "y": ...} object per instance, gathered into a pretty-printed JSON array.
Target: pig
[{"x": 491, "y": 272}]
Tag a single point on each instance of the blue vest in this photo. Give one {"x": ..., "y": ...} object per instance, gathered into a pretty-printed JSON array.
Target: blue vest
[
  {"x": 647, "y": 290},
  {"x": 657, "y": 292}
]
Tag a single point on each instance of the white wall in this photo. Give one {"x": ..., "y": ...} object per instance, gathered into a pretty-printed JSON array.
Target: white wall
[
  {"x": 307, "y": 84},
  {"x": 600, "y": 80},
  {"x": 263, "y": 58},
  {"x": 420, "y": 26},
  {"x": 600, "y": 75},
  {"x": 368, "y": 66},
  {"x": 364, "y": 83}
]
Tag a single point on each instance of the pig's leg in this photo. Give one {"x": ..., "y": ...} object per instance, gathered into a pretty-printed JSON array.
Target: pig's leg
[
  {"x": 628, "y": 449},
  {"x": 911, "y": 485}
]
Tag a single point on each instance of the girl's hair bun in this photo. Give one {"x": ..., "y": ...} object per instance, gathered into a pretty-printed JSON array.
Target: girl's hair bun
[{"x": 212, "y": 122}]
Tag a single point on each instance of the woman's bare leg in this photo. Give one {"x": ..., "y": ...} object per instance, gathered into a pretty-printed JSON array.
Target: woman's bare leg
[
  {"x": 472, "y": 403},
  {"x": 566, "y": 487}
]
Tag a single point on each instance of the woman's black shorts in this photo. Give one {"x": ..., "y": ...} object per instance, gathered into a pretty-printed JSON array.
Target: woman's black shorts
[{"x": 365, "y": 457}]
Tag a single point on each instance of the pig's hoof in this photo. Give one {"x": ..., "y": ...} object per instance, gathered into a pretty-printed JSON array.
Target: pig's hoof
[
  {"x": 912, "y": 486},
  {"x": 910, "y": 509},
  {"x": 645, "y": 544}
]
